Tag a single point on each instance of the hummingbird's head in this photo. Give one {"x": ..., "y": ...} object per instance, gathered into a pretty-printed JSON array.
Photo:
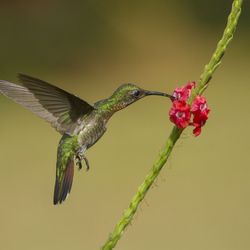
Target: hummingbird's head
[{"x": 129, "y": 93}]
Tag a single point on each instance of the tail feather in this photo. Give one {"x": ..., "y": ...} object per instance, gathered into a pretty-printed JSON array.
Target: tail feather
[
  {"x": 65, "y": 167},
  {"x": 63, "y": 187}
]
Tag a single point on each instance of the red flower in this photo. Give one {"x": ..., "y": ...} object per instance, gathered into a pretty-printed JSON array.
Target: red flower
[
  {"x": 180, "y": 114},
  {"x": 200, "y": 113},
  {"x": 183, "y": 93},
  {"x": 197, "y": 130}
]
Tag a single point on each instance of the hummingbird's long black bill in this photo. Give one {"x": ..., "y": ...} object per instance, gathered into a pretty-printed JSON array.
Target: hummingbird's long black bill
[{"x": 160, "y": 93}]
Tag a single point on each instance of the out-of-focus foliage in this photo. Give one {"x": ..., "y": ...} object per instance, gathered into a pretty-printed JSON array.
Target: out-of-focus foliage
[{"x": 88, "y": 48}]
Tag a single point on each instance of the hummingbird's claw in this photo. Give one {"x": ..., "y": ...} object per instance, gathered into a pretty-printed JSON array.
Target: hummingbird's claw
[
  {"x": 86, "y": 162},
  {"x": 79, "y": 158},
  {"x": 78, "y": 162}
]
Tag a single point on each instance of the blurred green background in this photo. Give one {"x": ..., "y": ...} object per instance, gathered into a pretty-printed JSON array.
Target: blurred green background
[{"x": 201, "y": 199}]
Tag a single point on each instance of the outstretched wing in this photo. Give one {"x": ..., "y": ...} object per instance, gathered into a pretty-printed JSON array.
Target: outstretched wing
[{"x": 51, "y": 103}]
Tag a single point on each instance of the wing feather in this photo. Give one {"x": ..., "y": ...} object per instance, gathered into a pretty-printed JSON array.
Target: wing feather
[{"x": 49, "y": 102}]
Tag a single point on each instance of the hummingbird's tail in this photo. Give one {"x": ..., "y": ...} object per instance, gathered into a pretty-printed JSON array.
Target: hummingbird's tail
[
  {"x": 64, "y": 168},
  {"x": 62, "y": 188}
]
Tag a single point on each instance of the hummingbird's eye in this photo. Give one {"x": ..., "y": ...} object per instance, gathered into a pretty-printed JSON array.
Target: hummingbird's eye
[{"x": 136, "y": 92}]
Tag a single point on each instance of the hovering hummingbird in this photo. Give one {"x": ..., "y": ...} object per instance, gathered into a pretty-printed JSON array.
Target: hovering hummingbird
[{"x": 80, "y": 123}]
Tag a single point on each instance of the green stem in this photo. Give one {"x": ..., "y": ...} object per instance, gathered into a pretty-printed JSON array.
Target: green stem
[
  {"x": 216, "y": 58},
  {"x": 176, "y": 133}
]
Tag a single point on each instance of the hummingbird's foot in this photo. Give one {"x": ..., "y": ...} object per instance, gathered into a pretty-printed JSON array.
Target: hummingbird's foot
[
  {"x": 86, "y": 162},
  {"x": 78, "y": 162},
  {"x": 79, "y": 158}
]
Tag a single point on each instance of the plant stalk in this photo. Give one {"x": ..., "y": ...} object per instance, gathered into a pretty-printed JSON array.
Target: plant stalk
[{"x": 175, "y": 134}]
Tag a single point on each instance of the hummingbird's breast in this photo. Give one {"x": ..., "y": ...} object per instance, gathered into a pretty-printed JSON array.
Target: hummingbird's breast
[{"x": 91, "y": 130}]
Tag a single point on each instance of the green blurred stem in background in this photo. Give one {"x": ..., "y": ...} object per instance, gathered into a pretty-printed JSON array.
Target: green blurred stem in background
[{"x": 176, "y": 133}]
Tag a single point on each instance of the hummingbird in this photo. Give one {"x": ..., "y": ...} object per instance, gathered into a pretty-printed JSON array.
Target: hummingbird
[{"x": 80, "y": 123}]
